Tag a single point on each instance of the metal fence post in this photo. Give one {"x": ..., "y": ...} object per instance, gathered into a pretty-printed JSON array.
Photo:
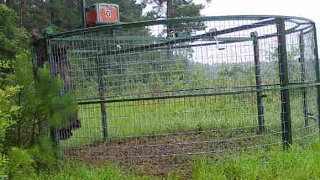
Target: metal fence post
[
  {"x": 254, "y": 36},
  {"x": 303, "y": 77},
  {"x": 284, "y": 82},
  {"x": 316, "y": 54},
  {"x": 104, "y": 120}
]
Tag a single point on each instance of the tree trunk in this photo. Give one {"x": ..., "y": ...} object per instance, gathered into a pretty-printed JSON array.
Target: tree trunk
[
  {"x": 2, "y": 2},
  {"x": 8, "y": 3},
  {"x": 20, "y": 14}
]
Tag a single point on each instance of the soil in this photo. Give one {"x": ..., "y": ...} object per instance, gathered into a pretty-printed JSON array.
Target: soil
[{"x": 163, "y": 154}]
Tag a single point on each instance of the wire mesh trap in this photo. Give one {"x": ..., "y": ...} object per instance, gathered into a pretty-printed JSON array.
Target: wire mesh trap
[{"x": 157, "y": 92}]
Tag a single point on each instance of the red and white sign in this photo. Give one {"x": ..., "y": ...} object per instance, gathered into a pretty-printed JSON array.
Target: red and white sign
[{"x": 102, "y": 13}]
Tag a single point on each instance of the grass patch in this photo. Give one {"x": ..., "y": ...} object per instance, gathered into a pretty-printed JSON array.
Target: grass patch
[
  {"x": 297, "y": 164},
  {"x": 107, "y": 172}
]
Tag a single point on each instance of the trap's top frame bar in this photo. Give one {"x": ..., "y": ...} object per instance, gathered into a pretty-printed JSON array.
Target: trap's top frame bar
[
  {"x": 264, "y": 22},
  {"x": 293, "y": 19},
  {"x": 302, "y": 25},
  {"x": 221, "y": 32}
]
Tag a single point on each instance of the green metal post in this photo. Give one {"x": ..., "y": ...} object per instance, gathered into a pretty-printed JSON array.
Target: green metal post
[
  {"x": 316, "y": 54},
  {"x": 303, "y": 78},
  {"x": 254, "y": 36},
  {"x": 169, "y": 15},
  {"x": 284, "y": 82},
  {"x": 102, "y": 104}
]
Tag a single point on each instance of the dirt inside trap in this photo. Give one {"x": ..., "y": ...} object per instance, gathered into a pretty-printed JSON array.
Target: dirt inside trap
[{"x": 161, "y": 155}]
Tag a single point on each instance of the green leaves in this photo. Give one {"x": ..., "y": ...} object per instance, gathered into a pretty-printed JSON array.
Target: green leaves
[
  {"x": 12, "y": 38},
  {"x": 21, "y": 165},
  {"x": 7, "y": 111},
  {"x": 31, "y": 106}
]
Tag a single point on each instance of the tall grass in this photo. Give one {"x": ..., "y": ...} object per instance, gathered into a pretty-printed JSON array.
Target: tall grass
[
  {"x": 296, "y": 164},
  {"x": 80, "y": 171}
]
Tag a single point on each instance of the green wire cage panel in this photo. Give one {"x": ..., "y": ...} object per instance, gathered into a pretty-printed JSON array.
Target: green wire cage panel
[{"x": 151, "y": 91}]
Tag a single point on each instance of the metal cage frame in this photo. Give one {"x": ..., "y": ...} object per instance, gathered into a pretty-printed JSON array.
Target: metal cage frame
[{"x": 56, "y": 47}]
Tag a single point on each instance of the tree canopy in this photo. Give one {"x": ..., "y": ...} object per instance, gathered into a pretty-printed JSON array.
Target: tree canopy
[
  {"x": 13, "y": 40},
  {"x": 11, "y": 37},
  {"x": 66, "y": 14}
]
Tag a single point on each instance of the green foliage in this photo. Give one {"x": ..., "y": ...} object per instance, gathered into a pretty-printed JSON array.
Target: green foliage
[
  {"x": 7, "y": 111},
  {"x": 81, "y": 171},
  {"x": 67, "y": 14},
  {"x": 21, "y": 165},
  {"x": 29, "y": 106},
  {"x": 56, "y": 108},
  {"x": 44, "y": 153},
  {"x": 62, "y": 15},
  {"x": 41, "y": 104},
  {"x": 3, "y": 167},
  {"x": 297, "y": 164},
  {"x": 27, "y": 116},
  {"x": 12, "y": 39},
  {"x": 207, "y": 169}
]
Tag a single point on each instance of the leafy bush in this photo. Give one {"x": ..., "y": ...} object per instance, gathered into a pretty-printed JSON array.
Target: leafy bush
[
  {"x": 7, "y": 110},
  {"x": 21, "y": 165}
]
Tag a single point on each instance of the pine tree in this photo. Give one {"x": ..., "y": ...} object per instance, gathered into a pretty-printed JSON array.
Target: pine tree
[
  {"x": 42, "y": 106},
  {"x": 13, "y": 40},
  {"x": 66, "y": 14}
]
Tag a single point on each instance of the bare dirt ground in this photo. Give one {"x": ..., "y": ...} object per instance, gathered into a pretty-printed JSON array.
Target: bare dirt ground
[{"x": 160, "y": 155}]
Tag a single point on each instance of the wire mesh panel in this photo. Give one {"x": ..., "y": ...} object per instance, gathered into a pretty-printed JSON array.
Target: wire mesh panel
[{"x": 157, "y": 92}]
